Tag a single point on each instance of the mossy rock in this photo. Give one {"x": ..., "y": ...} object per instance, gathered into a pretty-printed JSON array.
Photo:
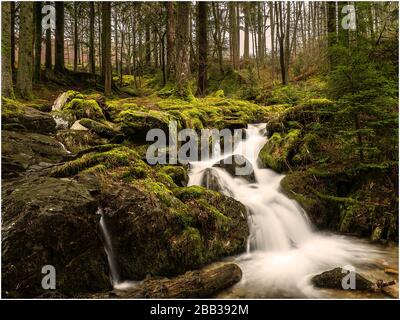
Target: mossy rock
[
  {"x": 16, "y": 116},
  {"x": 177, "y": 173},
  {"x": 279, "y": 150},
  {"x": 77, "y": 140},
  {"x": 136, "y": 124},
  {"x": 103, "y": 130},
  {"x": 81, "y": 108}
]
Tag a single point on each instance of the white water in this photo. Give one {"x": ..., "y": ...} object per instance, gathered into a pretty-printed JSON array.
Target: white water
[
  {"x": 112, "y": 263},
  {"x": 283, "y": 249}
]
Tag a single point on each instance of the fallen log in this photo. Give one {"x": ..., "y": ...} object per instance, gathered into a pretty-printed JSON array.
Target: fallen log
[{"x": 193, "y": 284}]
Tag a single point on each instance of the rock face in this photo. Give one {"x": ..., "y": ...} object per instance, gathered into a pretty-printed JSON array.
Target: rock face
[
  {"x": 333, "y": 279},
  {"x": 22, "y": 151},
  {"x": 48, "y": 221},
  {"x": 160, "y": 233},
  {"x": 238, "y": 166},
  {"x": 22, "y": 118}
]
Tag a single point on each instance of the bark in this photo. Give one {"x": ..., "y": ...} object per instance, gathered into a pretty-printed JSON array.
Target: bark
[
  {"x": 76, "y": 36},
  {"x": 281, "y": 36},
  {"x": 287, "y": 41},
  {"x": 170, "y": 41},
  {"x": 332, "y": 38},
  {"x": 48, "y": 57},
  {"x": 147, "y": 45},
  {"x": 38, "y": 40},
  {"x": 193, "y": 284},
  {"x": 25, "y": 53},
  {"x": 92, "y": 63},
  {"x": 203, "y": 44},
  {"x": 106, "y": 40},
  {"x": 234, "y": 44},
  {"x": 246, "y": 51},
  {"x": 59, "y": 50},
  {"x": 6, "y": 69},
  {"x": 12, "y": 26},
  {"x": 272, "y": 23},
  {"x": 182, "y": 49}
]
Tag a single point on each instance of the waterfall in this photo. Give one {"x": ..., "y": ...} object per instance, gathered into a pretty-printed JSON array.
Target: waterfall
[
  {"x": 283, "y": 250},
  {"x": 115, "y": 278}
]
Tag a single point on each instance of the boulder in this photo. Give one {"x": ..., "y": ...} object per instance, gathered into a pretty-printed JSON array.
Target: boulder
[
  {"x": 77, "y": 126},
  {"x": 48, "y": 221},
  {"x": 332, "y": 279},
  {"x": 64, "y": 98},
  {"x": 22, "y": 151},
  {"x": 76, "y": 140},
  {"x": 103, "y": 130},
  {"x": 16, "y": 116},
  {"x": 238, "y": 166}
]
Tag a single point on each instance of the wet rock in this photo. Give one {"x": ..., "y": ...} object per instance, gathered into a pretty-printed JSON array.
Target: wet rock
[
  {"x": 238, "y": 166},
  {"x": 332, "y": 279},
  {"x": 48, "y": 221}
]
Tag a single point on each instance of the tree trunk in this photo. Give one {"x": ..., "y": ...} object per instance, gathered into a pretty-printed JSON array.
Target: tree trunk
[
  {"x": 38, "y": 40},
  {"x": 170, "y": 41},
  {"x": 203, "y": 44},
  {"x": 59, "y": 65},
  {"x": 193, "y": 284},
  {"x": 12, "y": 26},
  {"x": 234, "y": 45},
  {"x": 272, "y": 23},
  {"x": 287, "y": 41},
  {"x": 246, "y": 49},
  {"x": 25, "y": 51},
  {"x": 106, "y": 40},
  {"x": 148, "y": 45},
  {"x": 281, "y": 36},
  {"x": 182, "y": 49},
  {"x": 6, "y": 69},
  {"x": 92, "y": 63},
  {"x": 332, "y": 39},
  {"x": 75, "y": 36},
  {"x": 48, "y": 57}
]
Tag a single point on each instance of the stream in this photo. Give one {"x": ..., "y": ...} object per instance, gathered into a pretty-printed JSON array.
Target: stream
[{"x": 284, "y": 249}]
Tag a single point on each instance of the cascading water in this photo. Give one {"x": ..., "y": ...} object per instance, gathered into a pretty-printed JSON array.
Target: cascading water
[
  {"x": 115, "y": 278},
  {"x": 283, "y": 250}
]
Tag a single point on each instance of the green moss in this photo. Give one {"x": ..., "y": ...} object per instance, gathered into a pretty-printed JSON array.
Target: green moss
[
  {"x": 178, "y": 174},
  {"x": 278, "y": 152},
  {"x": 116, "y": 157},
  {"x": 102, "y": 129},
  {"x": 219, "y": 94},
  {"x": 192, "y": 192},
  {"x": 84, "y": 109}
]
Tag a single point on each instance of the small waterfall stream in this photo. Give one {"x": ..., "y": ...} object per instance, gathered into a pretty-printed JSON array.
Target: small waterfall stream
[
  {"x": 283, "y": 249},
  {"x": 114, "y": 275}
]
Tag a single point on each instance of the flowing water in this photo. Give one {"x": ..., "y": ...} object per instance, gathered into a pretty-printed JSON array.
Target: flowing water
[{"x": 284, "y": 250}]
